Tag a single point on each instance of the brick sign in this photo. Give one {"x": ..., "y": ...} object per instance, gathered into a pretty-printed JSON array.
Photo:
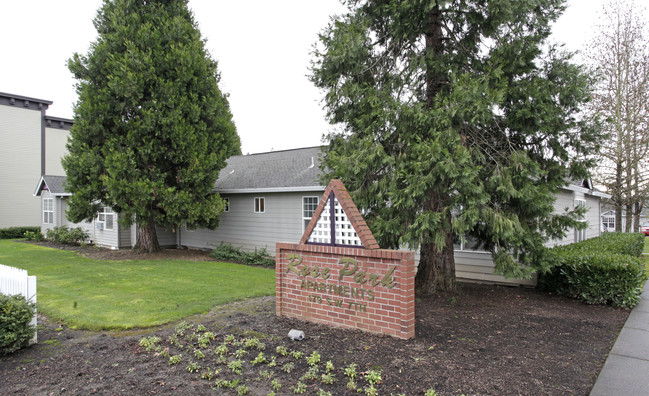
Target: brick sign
[{"x": 337, "y": 275}]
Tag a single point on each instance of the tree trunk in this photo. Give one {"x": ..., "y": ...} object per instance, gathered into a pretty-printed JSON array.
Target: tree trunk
[
  {"x": 147, "y": 238},
  {"x": 628, "y": 217},
  {"x": 436, "y": 270}
]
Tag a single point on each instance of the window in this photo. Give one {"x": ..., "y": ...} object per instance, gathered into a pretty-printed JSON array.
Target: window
[
  {"x": 260, "y": 205},
  {"x": 580, "y": 235},
  {"x": 608, "y": 221},
  {"x": 106, "y": 217},
  {"x": 48, "y": 211},
  {"x": 227, "y": 205},
  {"x": 309, "y": 205}
]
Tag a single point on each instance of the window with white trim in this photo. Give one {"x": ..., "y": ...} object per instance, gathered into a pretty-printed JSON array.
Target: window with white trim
[
  {"x": 260, "y": 205},
  {"x": 309, "y": 205},
  {"x": 226, "y": 207},
  {"x": 106, "y": 217},
  {"x": 48, "y": 211},
  {"x": 608, "y": 221}
]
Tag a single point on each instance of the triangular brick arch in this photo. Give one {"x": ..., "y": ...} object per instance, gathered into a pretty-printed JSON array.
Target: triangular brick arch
[{"x": 336, "y": 191}]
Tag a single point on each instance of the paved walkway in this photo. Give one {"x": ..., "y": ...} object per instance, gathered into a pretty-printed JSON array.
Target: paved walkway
[{"x": 626, "y": 371}]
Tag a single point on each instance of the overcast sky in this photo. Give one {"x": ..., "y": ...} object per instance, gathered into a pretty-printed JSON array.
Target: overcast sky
[{"x": 263, "y": 49}]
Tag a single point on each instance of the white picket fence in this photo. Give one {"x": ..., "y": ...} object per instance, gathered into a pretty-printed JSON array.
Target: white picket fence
[{"x": 16, "y": 281}]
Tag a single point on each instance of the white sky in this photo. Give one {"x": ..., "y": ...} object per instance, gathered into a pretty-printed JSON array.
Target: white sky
[{"x": 263, "y": 49}]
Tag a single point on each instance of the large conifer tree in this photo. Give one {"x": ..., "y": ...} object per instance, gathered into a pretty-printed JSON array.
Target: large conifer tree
[
  {"x": 152, "y": 129},
  {"x": 456, "y": 121}
]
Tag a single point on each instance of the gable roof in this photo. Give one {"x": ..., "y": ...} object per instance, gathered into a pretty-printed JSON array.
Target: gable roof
[
  {"x": 53, "y": 184},
  {"x": 276, "y": 171},
  {"x": 336, "y": 193}
]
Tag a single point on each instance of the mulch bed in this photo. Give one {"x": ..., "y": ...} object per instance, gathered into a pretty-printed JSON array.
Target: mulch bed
[{"x": 482, "y": 340}]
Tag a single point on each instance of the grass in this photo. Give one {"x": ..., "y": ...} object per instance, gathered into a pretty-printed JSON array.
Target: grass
[{"x": 119, "y": 295}]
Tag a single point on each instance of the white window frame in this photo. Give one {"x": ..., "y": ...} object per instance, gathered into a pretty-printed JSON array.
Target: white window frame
[
  {"x": 48, "y": 210},
  {"x": 103, "y": 215},
  {"x": 226, "y": 208},
  {"x": 608, "y": 218},
  {"x": 259, "y": 205},
  {"x": 305, "y": 219}
]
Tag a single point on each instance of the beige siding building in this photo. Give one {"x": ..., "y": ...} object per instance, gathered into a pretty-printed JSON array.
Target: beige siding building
[{"x": 31, "y": 144}]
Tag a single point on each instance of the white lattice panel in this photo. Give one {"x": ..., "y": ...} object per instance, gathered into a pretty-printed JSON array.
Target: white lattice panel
[{"x": 345, "y": 233}]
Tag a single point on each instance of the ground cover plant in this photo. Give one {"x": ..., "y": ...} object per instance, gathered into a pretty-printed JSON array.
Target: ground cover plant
[
  {"x": 482, "y": 340},
  {"x": 108, "y": 294}
]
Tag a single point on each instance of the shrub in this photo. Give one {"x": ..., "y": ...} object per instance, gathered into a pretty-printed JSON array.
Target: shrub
[
  {"x": 631, "y": 244},
  {"x": 16, "y": 313},
  {"x": 227, "y": 252},
  {"x": 67, "y": 236},
  {"x": 16, "y": 232},
  {"x": 599, "y": 270},
  {"x": 33, "y": 236}
]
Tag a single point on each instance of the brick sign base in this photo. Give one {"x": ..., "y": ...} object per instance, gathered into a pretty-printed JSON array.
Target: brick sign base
[{"x": 366, "y": 289}]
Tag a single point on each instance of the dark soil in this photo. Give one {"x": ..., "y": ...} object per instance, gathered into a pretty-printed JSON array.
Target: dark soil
[{"x": 486, "y": 340}]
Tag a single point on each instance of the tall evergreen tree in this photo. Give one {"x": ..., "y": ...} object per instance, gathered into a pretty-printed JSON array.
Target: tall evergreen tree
[
  {"x": 455, "y": 124},
  {"x": 152, "y": 129}
]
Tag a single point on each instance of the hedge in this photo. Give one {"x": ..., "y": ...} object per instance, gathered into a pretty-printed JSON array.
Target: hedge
[
  {"x": 16, "y": 314},
  {"x": 16, "y": 232},
  {"x": 602, "y": 270},
  {"x": 227, "y": 252}
]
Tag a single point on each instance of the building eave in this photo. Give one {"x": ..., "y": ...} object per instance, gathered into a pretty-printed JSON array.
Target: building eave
[{"x": 269, "y": 190}]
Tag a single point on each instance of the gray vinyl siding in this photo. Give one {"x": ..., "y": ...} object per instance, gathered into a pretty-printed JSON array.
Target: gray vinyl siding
[
  {"x": 55, "y": 141},
  {"x": 166, "y": 236},
  {"x": 241, "y": 227},
  {"x": 20, "y": 166},
  {"x": 479, "y": 267},
  {"x": 593, "y": 217},
  {"x": 125, "y": 237}
]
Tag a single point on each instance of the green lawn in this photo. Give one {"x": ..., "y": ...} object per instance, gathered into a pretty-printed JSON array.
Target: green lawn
[{"x": 99, "y": 294}]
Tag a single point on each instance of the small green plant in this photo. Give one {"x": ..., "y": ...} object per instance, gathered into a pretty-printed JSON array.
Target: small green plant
[
  {"x": 239, "y": 353},
  {"x": 221, "y": 360},
  {"x": 275, "y": 384},
  {"x": 260, "y": 359},
  {"x": 221, "y": 350},
  {"x": 311, "y": 374},
  {"x": 208, "y": 374},
  {"x": 272, "y": 362},
  {"x": 174, "y": 340},
  {"x": 328, "y": 378},
  {"x": 313, "y": 359},
  {"x": 431, "y": 392},
  {"x": 373, "y": 377},
  {"x": 242, "y": 390},
  {"x": 351, "y": 385},
  {"x": 297, "y": 355},
  {"x": 175, "y": 359},
  {"x": 370, "y": 391},
  {"x": 265, "y": 374},
  {"x": 322, "y": 392},
  {"x": 300, "y": 387},
  {"x": 254, "y": 343},
  {"x": 205, "y": 338},
  {"x": 201, "y": 329},
  {"x": 164, "y": 353},
  {"x": 182, "y": 328},
  {"x": 198, "y": 354},
  {"x": 230, "y": 338},
  {"x": 350, "y": 371},
  {"x": 288, "y": 367},
  {"x": 281, "y": 350},
  {"x": 236, "y": 366},
  {"x": 193, "y": 367},
  {"x": 329, "y": 366},
  {"x": 149, "y": 343}
]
